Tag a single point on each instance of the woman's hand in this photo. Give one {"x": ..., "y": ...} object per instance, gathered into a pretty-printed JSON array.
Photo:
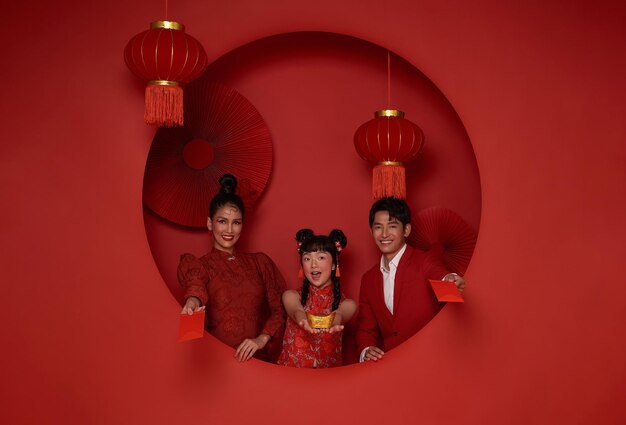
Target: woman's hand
[
  {"x": 191, "y": 306},
  {"x": 249, "y": 346}
]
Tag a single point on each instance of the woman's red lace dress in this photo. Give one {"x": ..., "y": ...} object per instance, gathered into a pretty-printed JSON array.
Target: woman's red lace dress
[
  {"x": 303, "y": 349},
  {"x": 241, "y": 292}
]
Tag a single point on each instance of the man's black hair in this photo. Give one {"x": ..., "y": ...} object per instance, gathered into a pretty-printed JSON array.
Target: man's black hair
[{"x": 397, "y": 208}]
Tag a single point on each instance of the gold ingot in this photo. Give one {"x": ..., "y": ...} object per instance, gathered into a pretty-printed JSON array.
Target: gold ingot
[{"x": 320, "y": 322}]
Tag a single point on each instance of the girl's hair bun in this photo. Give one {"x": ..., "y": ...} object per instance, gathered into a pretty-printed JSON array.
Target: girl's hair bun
[
  {"x": 304, "y": 234},
  {"x": 337, "y": 235}
]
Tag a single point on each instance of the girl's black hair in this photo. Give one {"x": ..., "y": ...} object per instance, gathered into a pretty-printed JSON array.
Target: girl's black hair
[
  {"x": 226, "y": 196},
  {"x": 309, "y": 242}
]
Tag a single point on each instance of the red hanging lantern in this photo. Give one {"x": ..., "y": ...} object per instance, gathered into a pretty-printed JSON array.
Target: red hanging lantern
[
  {"x": 389, "y": 140},
  {"x": 166, "y": 58}
]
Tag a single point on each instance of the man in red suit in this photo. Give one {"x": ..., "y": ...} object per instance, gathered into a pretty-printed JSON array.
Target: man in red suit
[{"x": 396, "y": 299}]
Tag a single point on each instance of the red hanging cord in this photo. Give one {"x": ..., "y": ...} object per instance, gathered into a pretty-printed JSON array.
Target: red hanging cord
[{"x": 388, "y": 80}]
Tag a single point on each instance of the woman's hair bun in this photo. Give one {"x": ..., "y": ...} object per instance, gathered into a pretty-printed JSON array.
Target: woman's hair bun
[
  {"x": 304, "y": 234},
  {"x": 228, "y": 183},
  {"x": 337, "y": 235}
]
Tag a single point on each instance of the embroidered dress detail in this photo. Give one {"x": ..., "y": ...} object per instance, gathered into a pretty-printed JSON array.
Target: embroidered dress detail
[{"x": 302, "y": 349}]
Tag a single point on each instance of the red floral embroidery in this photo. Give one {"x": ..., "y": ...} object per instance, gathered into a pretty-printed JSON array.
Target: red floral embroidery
[{"x": 302, "y": 349}]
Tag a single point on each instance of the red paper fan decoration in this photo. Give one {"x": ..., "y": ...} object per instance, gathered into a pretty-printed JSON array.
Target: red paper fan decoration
[
  {"x": 441, "y": 228},
  {"x": 223, "y": 133}
]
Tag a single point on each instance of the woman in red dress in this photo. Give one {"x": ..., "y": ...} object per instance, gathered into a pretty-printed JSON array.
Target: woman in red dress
[
  {"x": 241, "y": 291},
  {"x": 320, "y": 298}
]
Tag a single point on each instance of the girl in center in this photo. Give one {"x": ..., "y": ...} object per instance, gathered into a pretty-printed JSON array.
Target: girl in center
[{"x": 317, "y": 311}]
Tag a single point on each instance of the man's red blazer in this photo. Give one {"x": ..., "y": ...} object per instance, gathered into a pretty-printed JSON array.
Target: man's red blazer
[{"x": 414, "y": 302}]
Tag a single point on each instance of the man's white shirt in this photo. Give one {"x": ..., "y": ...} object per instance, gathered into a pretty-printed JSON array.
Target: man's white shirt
[{"x": 389, "y": 277}]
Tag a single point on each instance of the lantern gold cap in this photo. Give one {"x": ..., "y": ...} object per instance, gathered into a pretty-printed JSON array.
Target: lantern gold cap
[
  {"x": 389, "y": 163},
  {"x": 162, "y": 83},
  {"x": 170, "y": 25},
  {"x": 389, "y": 113}
]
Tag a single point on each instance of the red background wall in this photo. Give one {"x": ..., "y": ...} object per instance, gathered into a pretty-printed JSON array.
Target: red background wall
[{"x": 88, "y": 334}]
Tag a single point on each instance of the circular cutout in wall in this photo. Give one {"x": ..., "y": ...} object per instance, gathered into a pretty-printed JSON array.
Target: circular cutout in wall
[{"x": 314, "y": 90}]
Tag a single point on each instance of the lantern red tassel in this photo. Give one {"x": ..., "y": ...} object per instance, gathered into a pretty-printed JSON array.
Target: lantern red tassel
[
  {"x": 388, "y": 179},
  {"x": 166, "y": 58},
  {"x": 164, "y": 105},
  {"x": 388, "y": 140}
]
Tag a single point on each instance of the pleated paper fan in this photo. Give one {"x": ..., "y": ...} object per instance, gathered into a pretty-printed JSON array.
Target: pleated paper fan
[
  {"x": 441, "y": 228},
  {"x": 223, "y": 133}
]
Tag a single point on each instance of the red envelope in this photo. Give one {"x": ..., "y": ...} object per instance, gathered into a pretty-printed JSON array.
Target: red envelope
[
  {"x": 191, "y": 326},
  {"x": 446, "y": 291}
]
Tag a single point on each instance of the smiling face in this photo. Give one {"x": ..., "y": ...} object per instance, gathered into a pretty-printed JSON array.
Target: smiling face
[
  {"x": 317, "y": 267},
  {"x": 226, "y": 226},
  {"x": 389, "y": 234}
]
